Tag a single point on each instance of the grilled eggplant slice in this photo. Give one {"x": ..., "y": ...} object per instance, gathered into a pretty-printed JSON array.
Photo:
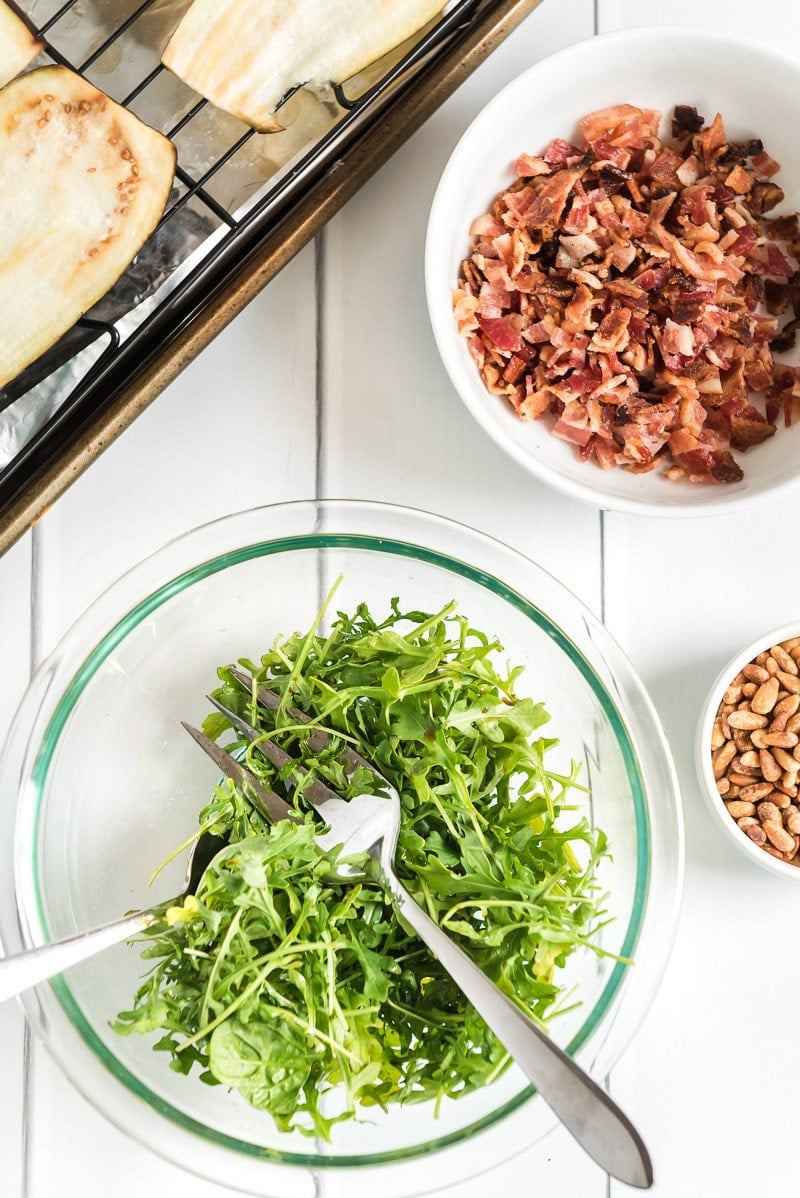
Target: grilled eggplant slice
[
  {"x": 17, "y": 44},
  {"x": 82, "y": 186},
  {"x": 244, "y": 55}
]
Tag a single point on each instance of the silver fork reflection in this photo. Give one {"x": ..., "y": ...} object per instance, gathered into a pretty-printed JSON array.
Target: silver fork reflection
[{"x": 369, "y": 824}]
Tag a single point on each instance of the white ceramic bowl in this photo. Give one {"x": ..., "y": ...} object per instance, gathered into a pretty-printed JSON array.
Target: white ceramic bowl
[
  {"x": 758, "y": 93},
  {"x": 705, "y": 772}
]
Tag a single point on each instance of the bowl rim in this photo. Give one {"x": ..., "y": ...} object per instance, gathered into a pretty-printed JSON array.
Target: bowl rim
[
  {"x": 443, "y": 328},
  {"x": 427, "y": 528},
  {"x": 705, "y": 773}
]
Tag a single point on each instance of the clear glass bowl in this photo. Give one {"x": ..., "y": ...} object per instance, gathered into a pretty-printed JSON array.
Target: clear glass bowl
[{"x": 99, "y": 782}]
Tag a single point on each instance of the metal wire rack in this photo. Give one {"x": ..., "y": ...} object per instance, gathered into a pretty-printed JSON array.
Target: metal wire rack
[{"x": 115, "y": 345}]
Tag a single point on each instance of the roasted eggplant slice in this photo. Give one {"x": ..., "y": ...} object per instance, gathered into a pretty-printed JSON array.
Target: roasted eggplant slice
[
  {"x": 17, "y": 44},
  {"x": 82, "y": 186},
  {"x": 244, "y": 55}
]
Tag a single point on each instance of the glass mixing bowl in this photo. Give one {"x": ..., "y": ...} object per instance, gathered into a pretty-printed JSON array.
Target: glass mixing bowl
[{"x": 100, "y": 782}]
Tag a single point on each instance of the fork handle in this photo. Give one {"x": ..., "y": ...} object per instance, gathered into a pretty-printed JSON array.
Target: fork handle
[
  {"x": 587, "y": 1112},
  {"x": 35, "y": 965}
]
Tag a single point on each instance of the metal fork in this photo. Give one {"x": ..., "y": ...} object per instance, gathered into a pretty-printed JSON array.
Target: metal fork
[{"x": 369, "y": 823}]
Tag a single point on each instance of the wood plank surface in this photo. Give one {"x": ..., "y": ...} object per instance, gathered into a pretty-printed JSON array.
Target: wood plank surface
[{"x": 330, "y": 384}]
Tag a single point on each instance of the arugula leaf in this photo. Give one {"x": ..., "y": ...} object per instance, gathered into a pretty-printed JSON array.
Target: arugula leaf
[{"x": 301, "y": 991}]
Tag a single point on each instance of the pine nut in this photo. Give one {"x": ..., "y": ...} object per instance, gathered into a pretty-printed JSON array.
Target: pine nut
[
  {"x": 756, "y": 792},
  {"x": 790, "y": 764},
  {"x": 742, "y": 740},
  {"x": 779, "y": 837},
  {"x": 765, "y": 697},
  {"x": 783, "y": 659},
  {"x": 789, "y": 704},
  {"x": 747, "y": 720},
  {"x": 779, "y": 740},
  {"x": 767, "y": 810},
  {"x": 792, "y": 821},
  {"x": 737, "y": 808},
  {"x": 769, "y": 766},
  {"x": 790, "y": 682}
]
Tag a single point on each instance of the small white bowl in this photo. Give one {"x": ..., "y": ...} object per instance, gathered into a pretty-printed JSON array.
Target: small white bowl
[
  {"x": 756, "y": 90},
  {"x": 705, "y": 772}
]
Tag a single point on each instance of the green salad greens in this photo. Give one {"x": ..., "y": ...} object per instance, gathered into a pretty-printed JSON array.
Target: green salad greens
[{"x": 305, "y": 993}]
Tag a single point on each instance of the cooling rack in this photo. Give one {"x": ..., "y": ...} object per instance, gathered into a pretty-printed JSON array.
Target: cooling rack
[{"x": 241, "y": 206}]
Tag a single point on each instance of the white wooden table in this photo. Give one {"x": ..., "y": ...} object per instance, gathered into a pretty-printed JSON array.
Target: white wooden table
[{"x": 317, "y": 390}]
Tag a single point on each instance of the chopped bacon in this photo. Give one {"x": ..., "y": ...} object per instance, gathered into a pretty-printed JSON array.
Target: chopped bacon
[
  {"x": 617, "y": 156},
  {"x": 763, "y": 197},
  {"x": 739, "y": 180},
  {"x": 665, "y": 167},
  {"x": 710, "y": 141},
  {"x": 612, "y": 334},
  {"x": 778, "y": 264},
  {"x": 765, "y": 165},
  {"x": 686, "y": 119},
  {"x": 747, "y": 430},
  {"x": 486, "y": 226},
  {"x": 580, "y": 245},
  {"x": 558, "y": 152},
  {"x": 627, "y": 292},
  {"x": 654, "y": 278},
  {"x": 689, "y": 170},
  {"x": 502, "y": 334},
  {"x": 745, "y": 240},
  {"x": 492, "y": 300},
  {"x": 622, "y": 125},
  {"x": 677, "y": 339},
  {"x": 551, "y": 199},
  {"x": 583, "y": 381},
  {"x": 569, "y": 432},
  {"x": 526, "y": 166},
  {"x": 783, "y": 228}
]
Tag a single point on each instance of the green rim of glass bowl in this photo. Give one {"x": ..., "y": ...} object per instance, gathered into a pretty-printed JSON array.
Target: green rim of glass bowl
[{"x": 403, "y": 549}]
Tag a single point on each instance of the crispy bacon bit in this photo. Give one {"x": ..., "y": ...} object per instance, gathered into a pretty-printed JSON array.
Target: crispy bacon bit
[
  {"x": 623, "y": 125},
  {"x": 783, "y": 228},
  {"x": 617, "y": 292},
  {"x": 763, "y": 198},
  {"x": 559, "y": 152},
  {"x": 501, "y": 333},
  {"x": 709, "y": 143},
  {"x": 739, "y": 180},
  {"x": 740, "y": 151},
  {"x": 786, "y": 338},
  {"x": 527, "y": 167},
  {"x": 550, "y": 200},
  {"x": 765, "y": 166},
  {"x": 685, "y": 120},
  {"x": 778, "y": 264}
]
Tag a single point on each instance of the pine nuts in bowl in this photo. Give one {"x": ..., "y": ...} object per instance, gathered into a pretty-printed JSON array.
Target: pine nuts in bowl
[{"x": 748, "y": 751}]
